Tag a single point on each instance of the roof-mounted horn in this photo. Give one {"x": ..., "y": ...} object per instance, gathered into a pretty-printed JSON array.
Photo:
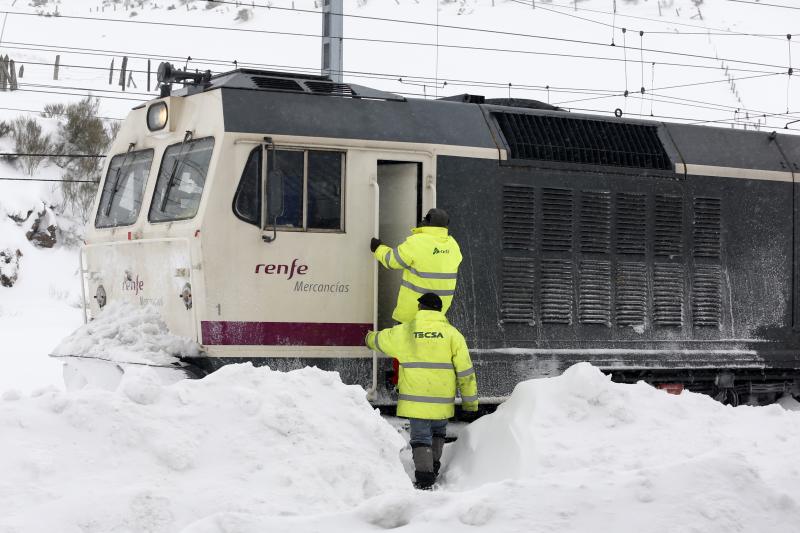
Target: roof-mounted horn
[{"x": 168, "y": 74}]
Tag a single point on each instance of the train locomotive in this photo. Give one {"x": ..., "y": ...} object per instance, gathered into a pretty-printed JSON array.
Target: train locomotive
[{"x": 241, "y": 205}]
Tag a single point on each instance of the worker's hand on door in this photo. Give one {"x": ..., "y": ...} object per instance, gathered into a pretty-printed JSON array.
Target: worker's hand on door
[{"x": 374, "y": 243}]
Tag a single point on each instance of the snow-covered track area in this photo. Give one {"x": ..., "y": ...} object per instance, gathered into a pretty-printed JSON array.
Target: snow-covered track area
[{"x": 251, "y": 450}]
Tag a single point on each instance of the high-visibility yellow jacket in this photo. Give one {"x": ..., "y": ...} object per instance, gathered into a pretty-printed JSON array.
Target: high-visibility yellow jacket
[
  {"x": 434, "y": 359},
  {"x": 429, "y": 259}
]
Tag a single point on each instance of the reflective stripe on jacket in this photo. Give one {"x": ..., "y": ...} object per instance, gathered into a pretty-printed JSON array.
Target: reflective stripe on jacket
[
  {"x": 429, "y": 259},
  {"x": 434, "y": 360}
]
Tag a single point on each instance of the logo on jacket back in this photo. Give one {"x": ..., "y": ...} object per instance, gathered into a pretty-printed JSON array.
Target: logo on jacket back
[
  {"x": 428, "y": 335},
  {"x": 438, "y": 251}
]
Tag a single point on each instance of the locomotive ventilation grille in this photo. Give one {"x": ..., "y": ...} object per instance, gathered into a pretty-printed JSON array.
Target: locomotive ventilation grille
[
  {"x": 273, "y": 83},
  {"x": 611, "y": 259},
  {"x": 590, "y": 142}
]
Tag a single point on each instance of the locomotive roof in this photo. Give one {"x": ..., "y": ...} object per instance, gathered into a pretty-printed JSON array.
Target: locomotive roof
[{"x": 314, "y": 106}]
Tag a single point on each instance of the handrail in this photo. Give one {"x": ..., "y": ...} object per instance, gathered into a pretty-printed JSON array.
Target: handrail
[
  {"x": 82, "y": 274},
  {"x": 372, "y": 392}
]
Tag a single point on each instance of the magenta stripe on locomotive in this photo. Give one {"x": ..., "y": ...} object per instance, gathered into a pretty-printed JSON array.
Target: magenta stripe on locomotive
[{"x": 283, "y": 333}]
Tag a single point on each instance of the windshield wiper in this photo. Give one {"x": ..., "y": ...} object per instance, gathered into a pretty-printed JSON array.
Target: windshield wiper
[
  {"x": 117, "y": 187},
  {"x": 174, "y": 171}
]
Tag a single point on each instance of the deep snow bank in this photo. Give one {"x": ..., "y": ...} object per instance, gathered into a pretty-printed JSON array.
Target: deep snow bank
[
  {"x": 580, "y": 454},
  {"x": 153, "y": 459},
  {"x": 587, "y": 450}
]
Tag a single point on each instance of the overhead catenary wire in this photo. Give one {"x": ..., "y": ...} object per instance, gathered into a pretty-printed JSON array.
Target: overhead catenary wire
[
  {"x": 603, "y": 94},
  {"x": 474, "y": 83},
  {"x": 723, "y": 31},
  {"x": 764, "y": 4},
  {"x": 42, "y": 111},
  {"x": 395, "y": 41},
  {"x": 46, "y": 180}
]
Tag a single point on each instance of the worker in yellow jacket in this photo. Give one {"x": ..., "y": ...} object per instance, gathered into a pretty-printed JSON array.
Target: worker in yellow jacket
[
  {"x": 434, "y": 360},
  {"x": 429, "y": 258}
]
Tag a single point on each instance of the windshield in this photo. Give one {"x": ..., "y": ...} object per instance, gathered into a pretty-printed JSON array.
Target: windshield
[
  {"x": 181, "y": 179},
  {"x": 123, "y": 189}
]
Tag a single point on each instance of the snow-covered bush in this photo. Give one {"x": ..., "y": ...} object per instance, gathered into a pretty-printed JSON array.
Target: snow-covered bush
[
  {"x": 29, "y": 139},
  {"x": 80, "y": 131}
]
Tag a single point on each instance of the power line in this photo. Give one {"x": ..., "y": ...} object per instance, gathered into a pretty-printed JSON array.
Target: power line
[
  {"x": 48, "y": 180},
  {"x": 604, "y": 93},
  {"x": 14, "y": 154},
  {"x": 399, "y": 42},
  {"x": 499, "y": 32},
  {"x": 50, "y": 112},
  {"x": 764, "y": 4},
  {"x": 220, "y": 62}
]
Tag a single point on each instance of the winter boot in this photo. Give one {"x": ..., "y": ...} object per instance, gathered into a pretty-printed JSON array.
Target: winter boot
[
  {"x": 436, "y": 449},
  {"x": 423, "y": 466}
]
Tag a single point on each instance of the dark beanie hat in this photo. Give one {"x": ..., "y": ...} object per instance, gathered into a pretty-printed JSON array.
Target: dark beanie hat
[
  {"x": 436, "y": 217},
  {"x": 431, "y": 301}
]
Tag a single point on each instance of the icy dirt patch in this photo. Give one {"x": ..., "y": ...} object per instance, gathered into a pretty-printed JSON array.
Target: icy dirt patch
[
  {"x": 148, "y": 458},
  {"x": 127, "y": 333}
]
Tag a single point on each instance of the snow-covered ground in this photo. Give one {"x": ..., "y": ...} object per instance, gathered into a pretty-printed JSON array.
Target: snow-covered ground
[{"x": 252, "y": 450}]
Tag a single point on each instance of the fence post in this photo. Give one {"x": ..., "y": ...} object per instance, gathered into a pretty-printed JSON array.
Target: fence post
[
  {"x": 111, "y": 73},
  {"x": 122, "y": 72},
  {"x": 55, "y": 67},
  {"x": 3, "y": 74},
  {"x": 12, "y": 69}
]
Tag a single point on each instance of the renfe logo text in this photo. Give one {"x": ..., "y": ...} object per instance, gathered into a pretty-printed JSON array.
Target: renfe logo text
[
  {"x": 133, "y": 285},
  {"x": 288, "y": 270}
]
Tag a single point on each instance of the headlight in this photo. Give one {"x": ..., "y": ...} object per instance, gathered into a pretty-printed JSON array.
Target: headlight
[{"x": 157, "y": 116}]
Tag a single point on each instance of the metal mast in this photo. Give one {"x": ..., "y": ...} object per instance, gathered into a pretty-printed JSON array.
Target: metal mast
[{"x": 332, "y": 30}]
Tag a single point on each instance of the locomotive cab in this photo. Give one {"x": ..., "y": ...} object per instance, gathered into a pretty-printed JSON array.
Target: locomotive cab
[{"x": 249, "y": 237}]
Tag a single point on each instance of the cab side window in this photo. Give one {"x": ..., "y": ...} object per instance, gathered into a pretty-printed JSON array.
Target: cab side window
[
  {"x": 247, "y": 202},
  {"x": 291, "y": 164},
  {"x": 313, "y": 182}
]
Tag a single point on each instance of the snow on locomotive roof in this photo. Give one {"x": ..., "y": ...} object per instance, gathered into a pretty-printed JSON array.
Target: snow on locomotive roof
[{"x": 268, "y": 80}]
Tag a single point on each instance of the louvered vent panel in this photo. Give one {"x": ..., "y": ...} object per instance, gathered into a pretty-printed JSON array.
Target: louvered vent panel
[
  {"x": 631, "y": 222},
  {"x": 707, "y": 227},
  {"x": 556, "y": 292},
  {"x": 595, "y": 222},
  {"x": 574, "y": 140},
  {"x": 326, "y": 87},
  {"x": 518, "y": 202},
  {"x": 519, "y": 281},
  {"x": 668, "y": 231},
  {"x": 594, "y": 293},
  {"x": 631, "y": 301},
  {"x": 706, "y": 298},
  {"x": 279, "y": 84},
  {"x": 556, "y": 220},
  {"x": 668, "y": 294}
]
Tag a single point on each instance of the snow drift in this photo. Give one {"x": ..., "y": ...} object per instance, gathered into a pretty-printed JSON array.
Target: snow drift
[
  {"x": 251, "y": 450},
  {"x": 148, "y": 458},
  {"x": 122, "y": 335}
]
